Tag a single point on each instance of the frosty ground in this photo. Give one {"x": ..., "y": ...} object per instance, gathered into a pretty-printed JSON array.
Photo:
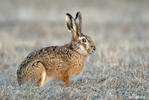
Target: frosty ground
[{"x": 119, "y": 69}]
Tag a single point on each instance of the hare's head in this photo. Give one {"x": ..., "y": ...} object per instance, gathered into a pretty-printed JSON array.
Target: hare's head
[{"x": 80, "y": 42}]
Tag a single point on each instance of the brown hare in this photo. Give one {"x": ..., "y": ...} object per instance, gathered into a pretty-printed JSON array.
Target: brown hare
[{"x": 61, "y": 62}]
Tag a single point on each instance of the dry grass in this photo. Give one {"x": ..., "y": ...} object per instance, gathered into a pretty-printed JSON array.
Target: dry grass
[{"x": 118, "y": 70}]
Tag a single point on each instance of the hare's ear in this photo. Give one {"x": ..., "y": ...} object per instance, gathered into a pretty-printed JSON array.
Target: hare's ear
[
  {"x": 69, "y": 22},
  {"x": 78, "y": 21},
  {"x": 71, "y": 25}
]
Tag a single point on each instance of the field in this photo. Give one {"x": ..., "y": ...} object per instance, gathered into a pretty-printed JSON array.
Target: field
[{"x": 119, "y": 69}]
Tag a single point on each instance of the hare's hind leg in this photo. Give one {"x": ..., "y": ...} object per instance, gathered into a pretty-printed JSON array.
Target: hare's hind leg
[
  {"x": 41, "y": 71},
  {"x": 42, "y": 79}
]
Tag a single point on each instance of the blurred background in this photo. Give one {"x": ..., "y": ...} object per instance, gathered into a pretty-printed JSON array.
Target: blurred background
[{"x": 119, "y": 28}]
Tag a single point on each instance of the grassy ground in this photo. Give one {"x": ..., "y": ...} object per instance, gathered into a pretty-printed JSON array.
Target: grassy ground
[{"x": 118, "y": 70}]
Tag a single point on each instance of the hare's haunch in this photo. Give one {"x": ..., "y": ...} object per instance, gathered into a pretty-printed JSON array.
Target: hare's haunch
[{"x": 61, "y": 62}]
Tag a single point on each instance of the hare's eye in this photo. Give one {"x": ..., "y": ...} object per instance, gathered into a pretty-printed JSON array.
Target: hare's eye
[{"x": 83, "y": 40}]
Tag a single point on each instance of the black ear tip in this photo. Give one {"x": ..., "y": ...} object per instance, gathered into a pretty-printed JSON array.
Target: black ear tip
[
  {"x": 78, "y": 13},
  {"x": 68, "y": 14}
]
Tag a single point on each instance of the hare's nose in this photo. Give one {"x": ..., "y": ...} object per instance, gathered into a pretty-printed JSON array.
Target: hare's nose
[{"x": 94, "y": 48}]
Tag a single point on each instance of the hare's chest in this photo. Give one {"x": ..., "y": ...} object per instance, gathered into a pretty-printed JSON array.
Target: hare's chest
[{"x": 77, "y": 66}]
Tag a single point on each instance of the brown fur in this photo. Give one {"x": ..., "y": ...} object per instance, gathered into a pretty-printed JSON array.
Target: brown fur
[{"x": 61, "y": 62}]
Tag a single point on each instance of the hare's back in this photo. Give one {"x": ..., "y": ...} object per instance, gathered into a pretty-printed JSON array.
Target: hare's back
[
  {"x": 37, "y": 55},
  {"x": 54, "y": 57}
]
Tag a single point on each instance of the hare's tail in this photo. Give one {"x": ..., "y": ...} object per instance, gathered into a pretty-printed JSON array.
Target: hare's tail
[{"x": 35, "y": 73}]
